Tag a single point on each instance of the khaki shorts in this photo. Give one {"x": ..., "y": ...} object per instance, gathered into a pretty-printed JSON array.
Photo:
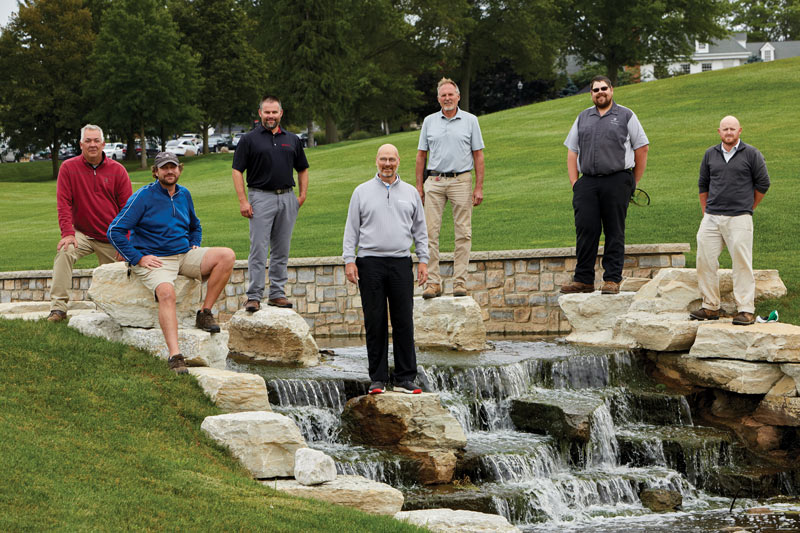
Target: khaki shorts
[{"x": 187, "y": 264}]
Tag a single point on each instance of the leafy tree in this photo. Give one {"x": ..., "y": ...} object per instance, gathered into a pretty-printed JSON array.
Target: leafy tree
[
  {"x": 44, "y": 52},
  {"x": 617, "y": 33},
  {"x": 141, "y": 76},
  {"x": 231, "y": 70},
  {"x": 768, "y": 20}
]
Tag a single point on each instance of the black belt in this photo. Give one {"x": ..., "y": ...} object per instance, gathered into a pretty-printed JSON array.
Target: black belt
[
  {"x": 628, "y": 170},
  {"x": 446, "y": 174},
  {"x": 275, "y": 191}
]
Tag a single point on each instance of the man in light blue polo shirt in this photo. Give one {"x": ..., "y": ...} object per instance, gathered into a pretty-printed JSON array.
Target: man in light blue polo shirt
[{"x": 450, "y": 146}]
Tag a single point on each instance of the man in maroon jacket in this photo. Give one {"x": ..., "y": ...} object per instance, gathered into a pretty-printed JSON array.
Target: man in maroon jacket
[{"x": 91, "y": 190}]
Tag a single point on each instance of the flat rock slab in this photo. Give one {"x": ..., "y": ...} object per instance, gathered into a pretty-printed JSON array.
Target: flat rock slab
[
  {"x": 233, "y": 391},
  {"x": 594, "y": 311},
  {"x": 198, "y": 347},
  {"x": 772, "y": 342},
  {"x": 451, "y": 521},
  {"x": 129, "y": 303},
  {"x": 273, "y": 336},
  {"x": 12, "y": 308},
  {"x": 792, "y": 370},
  {"x": 351, "y": 491},
  {"x": 449, "y": 322},
  {"x": 743, "y": 377},
  {"x": 97, "y": 324},
  {"x": 38, "y": 315},
  {"x": 675, "y": 290},
  {"x": 665, "y": 332},
  {"x": 313, "y": 467},
  {"x": 661, "y": 500},
  {"x": 264, "y": 442},
  {"x": 778, "y": 411},
  {"x": 563, "y": 414}
]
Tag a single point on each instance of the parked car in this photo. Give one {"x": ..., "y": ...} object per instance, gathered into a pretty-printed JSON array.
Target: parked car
[
  {"x": 180, "y": 147},
  {"x": 67, "y": 152},
  {"x": 235, "y": 139},
  {"x": 115, "y": 150},
  {"x": 215, "y": 142},
  {"x": 7, "y": 155},
  {"x": 153, "y": 147}
]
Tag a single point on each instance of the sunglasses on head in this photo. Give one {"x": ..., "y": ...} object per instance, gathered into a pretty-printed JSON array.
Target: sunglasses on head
[{"x": 598, "y": 89}]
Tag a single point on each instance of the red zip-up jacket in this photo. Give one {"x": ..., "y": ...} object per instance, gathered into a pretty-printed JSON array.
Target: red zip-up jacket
[{"x": 88, "y": 199}]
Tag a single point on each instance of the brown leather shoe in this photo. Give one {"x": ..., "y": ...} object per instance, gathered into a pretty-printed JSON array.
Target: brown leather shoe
[
  {"x": 744, "y": 319},
  {"x": 56, "y": 316},
  {"x": 432, "y": 290},
  {"x": 459, "y": 289},
  {"x": 704, "y": 314},
  {"x": 576, "y": 287},
  {"x": 178, "y": 364},
  {"x": 205, "y": 320},
  {"x": 280, "y": 302},
  {"x": 251, "y": 306},
  {"x": 610, "y": 287}
]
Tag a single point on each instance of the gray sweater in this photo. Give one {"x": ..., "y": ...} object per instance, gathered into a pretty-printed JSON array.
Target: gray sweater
[
  {"x": 730, "y": 185},
  {"x": 385, "y": 222}
]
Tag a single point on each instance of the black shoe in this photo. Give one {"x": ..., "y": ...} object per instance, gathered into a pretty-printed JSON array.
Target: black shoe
[
  {"x": 178, "y": 364},
  {"x": 205, "y": 321},
  {"x": 407, "y": 387},
  {"x": 377, "y": 387}
]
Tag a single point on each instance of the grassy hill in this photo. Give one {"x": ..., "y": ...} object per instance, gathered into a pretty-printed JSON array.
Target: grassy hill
[{"x": 527, "y": 195}]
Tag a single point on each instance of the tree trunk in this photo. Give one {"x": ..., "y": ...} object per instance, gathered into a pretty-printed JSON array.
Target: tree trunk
[
  {"x": 130, "y": 154},
  {"x": 331, "y": 133},
  {"x": 163, "y": 140},
  {"x": 205, "y": 137},
  {"x": 143, "y": 157},
  {"x": 54, "y": 148},
  {"x": 612, "y": 68},
  {"x": 310, "y": 131},
  {"x": 467, "y": 80}
]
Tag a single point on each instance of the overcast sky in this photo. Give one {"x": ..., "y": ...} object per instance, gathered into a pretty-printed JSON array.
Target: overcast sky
[{"x": 6, "y": 8}]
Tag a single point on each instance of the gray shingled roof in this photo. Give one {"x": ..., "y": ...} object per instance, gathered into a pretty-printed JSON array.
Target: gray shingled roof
[
  {"x": 783, "y": 49},
  {"x": 727, "y": 46}
]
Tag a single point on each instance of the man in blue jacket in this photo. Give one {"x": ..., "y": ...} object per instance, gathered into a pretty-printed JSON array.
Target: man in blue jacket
[{"x": 165, "y": 241}]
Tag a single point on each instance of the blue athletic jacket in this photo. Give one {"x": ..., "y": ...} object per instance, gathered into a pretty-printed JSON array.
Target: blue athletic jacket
[{"x": 160, "y": 225}]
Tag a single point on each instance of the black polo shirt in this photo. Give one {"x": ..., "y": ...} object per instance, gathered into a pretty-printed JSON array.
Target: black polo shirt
[{"x": 269, "y": 159}]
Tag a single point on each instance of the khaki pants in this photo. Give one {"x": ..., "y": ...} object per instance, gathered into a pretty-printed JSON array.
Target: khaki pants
[
  {"x": 437, "y": 192},
  {"x": 65, "y": 259},
  {"x": 736, "y": 233}
]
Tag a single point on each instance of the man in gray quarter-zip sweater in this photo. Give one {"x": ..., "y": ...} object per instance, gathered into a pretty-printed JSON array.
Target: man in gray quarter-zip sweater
[
  {"x": 384, "y": 218},
  {"x": 733, "y": 180}
]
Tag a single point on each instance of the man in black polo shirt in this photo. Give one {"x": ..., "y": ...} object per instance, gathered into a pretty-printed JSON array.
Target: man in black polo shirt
[
  {"x": 268, "y": 154},
  {"x": 609, "y": 147}
]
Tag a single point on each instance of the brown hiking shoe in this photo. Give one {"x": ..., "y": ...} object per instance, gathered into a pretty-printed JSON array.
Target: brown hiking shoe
[
  {"x": 610, "y": 287},
  {"x": 459, "y": 289},
  {"x": 432, "y": 290},
  {"x": 205, "y": 321},
  {"x": 280, "y": 302},
  {"x": 576, "y": 287},
  {"x": 252, "y": 306},
  {"x": 178, "y": 364},
  {"x": 744, "y": 319},
  {"x": 56, "y": 316},
  {"x": 704, "y": 314}
]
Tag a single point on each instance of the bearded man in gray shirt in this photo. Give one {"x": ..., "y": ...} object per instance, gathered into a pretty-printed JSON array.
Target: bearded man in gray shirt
[{"x": 384, "y": 218}]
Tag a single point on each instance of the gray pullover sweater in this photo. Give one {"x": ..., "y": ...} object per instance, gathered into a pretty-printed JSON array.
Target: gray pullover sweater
[
  {"x": 730, "y": 185},
  {"x": 384, "y": 222}
]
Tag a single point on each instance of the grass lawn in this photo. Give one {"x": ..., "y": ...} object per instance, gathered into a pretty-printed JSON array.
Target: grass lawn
[
  {"x": 527, "y": 196},
  {"x": 98, "y": 436}
]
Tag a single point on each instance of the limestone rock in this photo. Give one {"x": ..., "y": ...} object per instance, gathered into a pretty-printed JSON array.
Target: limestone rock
[
  {"x": 778, "y": 411},
  {"x": 198, "y": 347},
  {"x": 785, "y": 387},
  {"x": 449, "y": 322},
  {"x": 129, "y": 303},
  {"x": 264, "y": 442},
  {"x": 661, "y": 500},
  {"x": 272, "y": 335},
  {"x": 793, "y": 371},
  {"x": 665, "y": 332},
  {"x": 96, "y": 324},
  {"x": 312, "y": 467},
  {"x": 773, "y": 342},
  {"x": 633, "y": 284},
  {"x": 565, "y": 415},
  {"x": 736, "y": 376},
  {"x": 594, "y": 311},
  {"x": 451, "y": 521},
  {"x": 233, "y": 391},
  {"x": 15, "y": 308},
  {"x": 351, "y": 491},
  {"x": 435, "y": 466}
]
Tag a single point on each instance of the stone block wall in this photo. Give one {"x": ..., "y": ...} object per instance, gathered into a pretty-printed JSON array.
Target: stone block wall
[{"x": 517, "y": 290}]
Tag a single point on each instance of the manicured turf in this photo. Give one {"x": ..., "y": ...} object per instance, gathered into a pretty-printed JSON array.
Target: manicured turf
[{"x": 527, "y": 196}]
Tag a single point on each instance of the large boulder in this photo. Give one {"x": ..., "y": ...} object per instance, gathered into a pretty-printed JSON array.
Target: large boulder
[
  {"x": 565, "y": 415},
  {"x": 96, "y": 324},
  {"x": 778, "y": 411},
  {"x": 452, "y": 521},
  {"x": 198, "y": 347},
  {"x": 351, "y": 491},
  {"x": 793, "y": 370},
  {"x": 664, "y": 332},
  {"x": 742, "y": 377},
  {"x": 313, "y": 467},
  {"x": 272, "y": 335},
  {"x": 449, "y": 322},
  {"x": 126, "y": 300},
  {"x": 593, "y": 317},
  {"x": 773, "y": 342},
  {"x": 233, "y": 391},
  {"x": 264, "y": 442},
  {"x": 661, "y": 500}
]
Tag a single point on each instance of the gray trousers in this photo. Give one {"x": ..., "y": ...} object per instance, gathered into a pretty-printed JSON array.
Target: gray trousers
[{"x": 271, "y": 225}]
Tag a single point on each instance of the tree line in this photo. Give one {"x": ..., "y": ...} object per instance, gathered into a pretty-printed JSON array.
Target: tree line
[{"x": 144, "y": 68}]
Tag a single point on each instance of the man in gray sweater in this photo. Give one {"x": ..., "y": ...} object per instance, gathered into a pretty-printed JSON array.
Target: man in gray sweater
[
  {"x": 733, "y": 180},
  {"x": 384, "y": 218}
]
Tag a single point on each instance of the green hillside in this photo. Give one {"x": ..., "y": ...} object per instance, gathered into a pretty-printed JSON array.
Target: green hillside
[{"x": 527, "y": 196}]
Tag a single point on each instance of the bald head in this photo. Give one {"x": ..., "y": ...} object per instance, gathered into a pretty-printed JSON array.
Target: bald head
[
  {"x": 387, "y": 162},
  {"x": 388, "y": 148},
  {"x": 729, "y": 131}
]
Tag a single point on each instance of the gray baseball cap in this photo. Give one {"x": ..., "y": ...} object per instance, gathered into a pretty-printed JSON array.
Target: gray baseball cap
[{"x": 162, "y": 158}]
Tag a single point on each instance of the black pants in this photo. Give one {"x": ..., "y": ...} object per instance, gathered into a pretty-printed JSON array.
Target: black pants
[
  {"x": 601, "y": 204},
  {"x": 391, "y": 279}
]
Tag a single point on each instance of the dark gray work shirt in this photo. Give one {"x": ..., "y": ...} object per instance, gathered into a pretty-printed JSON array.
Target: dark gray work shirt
[
  {"x": 605, "y": 144},
  {"x": 269, "y": 158},
  {"x": 730, "y": 186}
]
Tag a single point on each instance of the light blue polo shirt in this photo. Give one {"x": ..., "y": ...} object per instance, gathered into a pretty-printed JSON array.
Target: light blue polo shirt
[{"x": 450, "y": 141}]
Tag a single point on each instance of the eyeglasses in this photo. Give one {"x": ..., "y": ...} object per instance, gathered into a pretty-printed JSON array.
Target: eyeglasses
[{"x": 598, "y": 89}]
